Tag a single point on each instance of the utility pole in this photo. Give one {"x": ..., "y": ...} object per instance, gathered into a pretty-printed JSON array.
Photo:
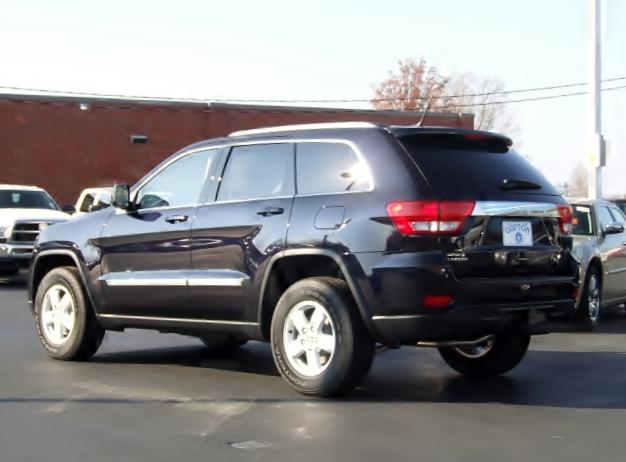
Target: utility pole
[{"x": 595, "y": 143}]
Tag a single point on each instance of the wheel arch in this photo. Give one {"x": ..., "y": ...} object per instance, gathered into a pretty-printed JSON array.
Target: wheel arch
[
  {"x": 346, "y": 268},
  {"x": 594, "y": 262},
  {"x": 47, "y": 260}
]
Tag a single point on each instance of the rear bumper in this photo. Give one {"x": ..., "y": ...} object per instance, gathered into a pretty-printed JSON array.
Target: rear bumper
[
  {"x": 397, "y": 284},
  {"x": 470, "y": 322},
  {"x": 15, "y": 255}
]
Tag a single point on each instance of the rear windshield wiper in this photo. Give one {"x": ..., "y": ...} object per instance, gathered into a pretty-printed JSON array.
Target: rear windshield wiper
[{"x": 510, "y": 184}]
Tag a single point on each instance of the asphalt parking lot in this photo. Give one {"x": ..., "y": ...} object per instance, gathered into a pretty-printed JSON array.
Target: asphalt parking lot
[{"x": 147, "y": 396}]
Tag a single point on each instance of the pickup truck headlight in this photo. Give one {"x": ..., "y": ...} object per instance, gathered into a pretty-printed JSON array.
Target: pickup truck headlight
[{"x": 5, "y": 231}]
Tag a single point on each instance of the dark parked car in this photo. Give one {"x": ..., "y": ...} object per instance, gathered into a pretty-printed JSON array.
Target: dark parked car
[
  {"x": 600, "y": 245},
  {"x": 324, "y": 240}
]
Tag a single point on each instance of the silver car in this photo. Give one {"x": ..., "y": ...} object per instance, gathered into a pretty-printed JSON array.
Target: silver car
[{"x": 600, "y": 245}]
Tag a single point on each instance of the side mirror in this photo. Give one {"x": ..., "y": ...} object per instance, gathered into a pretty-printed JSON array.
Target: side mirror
[
  {"x": 613, "y": 228},
  {"x": 69, "y": 209},
  {"x": 121, "y": 196}
]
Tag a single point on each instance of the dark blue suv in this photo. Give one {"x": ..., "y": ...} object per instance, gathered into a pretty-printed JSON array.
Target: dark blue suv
[{"x": 325, "y": 240}]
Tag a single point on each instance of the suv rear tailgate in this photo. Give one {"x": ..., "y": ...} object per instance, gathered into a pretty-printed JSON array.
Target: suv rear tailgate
[{"x": 514, "y": 230}]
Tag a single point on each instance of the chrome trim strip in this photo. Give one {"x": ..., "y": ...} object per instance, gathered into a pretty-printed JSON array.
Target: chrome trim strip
[
  {"x": 515, "y": 209},
  {"x": 216, "y": 278},
  {"x": 252, "y": 199},
  {"x": 287, "y": 128},
  {"x": 399, "y": 316},
  {"x": 175, "y": 278},
  {"x": 193, "y": 320},
  {"x": 616, "y": 271},
  {"x": 145, "y": 278}
]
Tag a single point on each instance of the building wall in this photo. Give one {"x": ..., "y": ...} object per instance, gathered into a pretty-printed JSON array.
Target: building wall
[{"x": 52, "y": 143}]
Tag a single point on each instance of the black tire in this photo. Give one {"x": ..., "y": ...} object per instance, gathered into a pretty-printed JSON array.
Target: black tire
[
  {"x": 584, "y": 316},
  {"x": 505, "y": 353},
  {"x": 222, "y": 344},
  {"x": 354, "y": 347},
  {"x": 87, "y": 334},
  {"x": 9, "y": 271}
]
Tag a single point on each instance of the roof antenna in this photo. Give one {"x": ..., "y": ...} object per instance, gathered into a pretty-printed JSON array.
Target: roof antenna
[{"x": 430, "y": 101}]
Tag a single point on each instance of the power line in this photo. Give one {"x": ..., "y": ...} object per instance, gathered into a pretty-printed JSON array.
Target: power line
[
  {"x": 368, "y": 100},
  {"x": 522, "y": 100}
]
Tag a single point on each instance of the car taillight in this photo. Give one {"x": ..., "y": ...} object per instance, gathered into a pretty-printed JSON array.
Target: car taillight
[
  {"x": 437, "y": 301},
  {"x": 565, "y": 218},
  {"x": 429, "y": 217}
]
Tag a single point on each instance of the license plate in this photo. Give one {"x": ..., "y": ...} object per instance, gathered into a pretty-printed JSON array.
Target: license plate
[{"x": 517, "y": 233}]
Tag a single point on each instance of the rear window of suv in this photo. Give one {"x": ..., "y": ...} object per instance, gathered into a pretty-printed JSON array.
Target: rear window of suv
[{"x": 461, "y": 168}]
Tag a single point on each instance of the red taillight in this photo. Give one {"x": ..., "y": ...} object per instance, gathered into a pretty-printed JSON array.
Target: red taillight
[
  {"x": 429, "y": 217},
  {"x": 437, "y": 301},
  {"x": 565, "y": 218}
]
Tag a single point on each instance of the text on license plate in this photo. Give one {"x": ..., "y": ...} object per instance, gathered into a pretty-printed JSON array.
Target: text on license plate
[{"x": 517, "y": 233}]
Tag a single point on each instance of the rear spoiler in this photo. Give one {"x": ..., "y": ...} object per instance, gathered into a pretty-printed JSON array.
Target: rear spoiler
[{"x": 400, "y": 131}]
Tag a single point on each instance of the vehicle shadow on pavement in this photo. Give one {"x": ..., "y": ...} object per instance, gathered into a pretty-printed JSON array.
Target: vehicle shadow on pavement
[
  {"x": 546, "y": 379},
  {"x": 593, "y": 380},
  {"x": 249, "y": 359}
]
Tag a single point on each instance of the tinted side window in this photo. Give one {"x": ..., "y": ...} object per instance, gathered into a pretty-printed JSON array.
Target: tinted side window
[
  {"x": 604, "y": 216},
  {"x": 583, "y": 224},
  {"x": 329, "y": 168},
  {"x": 258, "y": 171},
  {"x": 178, "y": 184}
]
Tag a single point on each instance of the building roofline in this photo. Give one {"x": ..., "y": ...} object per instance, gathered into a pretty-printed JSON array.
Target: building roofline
[{"x": 73, "y": 99}]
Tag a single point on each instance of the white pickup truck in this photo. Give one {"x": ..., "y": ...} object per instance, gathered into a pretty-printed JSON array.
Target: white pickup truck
[{"x": 24, "y": 211}]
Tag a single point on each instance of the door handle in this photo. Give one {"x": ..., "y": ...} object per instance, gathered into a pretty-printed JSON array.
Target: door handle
[
  {"x": 177, "y": 219},
  {"x": 268, "y": 211}
]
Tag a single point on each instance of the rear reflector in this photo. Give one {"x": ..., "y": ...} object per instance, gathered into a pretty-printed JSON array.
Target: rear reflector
[
  {"x": 437, "y": 301},
  {"x": 565, "y": 218},
  {"x": 429, "y": 217}
]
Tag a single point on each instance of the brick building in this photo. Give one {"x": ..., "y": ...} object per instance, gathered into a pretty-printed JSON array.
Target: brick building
[{"x": 65, "y": 144}]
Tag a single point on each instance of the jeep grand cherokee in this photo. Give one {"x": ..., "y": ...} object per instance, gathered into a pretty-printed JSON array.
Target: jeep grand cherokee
[{"x": 323, "y": 240}]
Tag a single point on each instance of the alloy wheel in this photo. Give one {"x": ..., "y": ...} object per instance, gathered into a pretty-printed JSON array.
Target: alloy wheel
[
  {"x": 58, "y": 315},
  {"x": 309, "y": 338},
  {"x": 593, "y": 298}
]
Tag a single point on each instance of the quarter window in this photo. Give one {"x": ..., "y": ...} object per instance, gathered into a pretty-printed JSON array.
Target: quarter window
[
  {"x": 329, "y": 168},
  {"x": 178, "y": 184},
  {"x": 258, "y": 171}
]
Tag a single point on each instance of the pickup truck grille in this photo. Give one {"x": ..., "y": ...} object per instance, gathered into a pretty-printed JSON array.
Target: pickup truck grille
[{"x": 26, "y": 232}]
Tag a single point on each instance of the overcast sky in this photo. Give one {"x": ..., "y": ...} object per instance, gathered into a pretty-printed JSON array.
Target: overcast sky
[{"x": 280, "y": 49}]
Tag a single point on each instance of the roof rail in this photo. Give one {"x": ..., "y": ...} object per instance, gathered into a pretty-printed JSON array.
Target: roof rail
[{"x": 287, "y": 128}]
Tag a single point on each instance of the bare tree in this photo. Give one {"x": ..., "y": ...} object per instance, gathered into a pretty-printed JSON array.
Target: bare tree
[
  {"x": 482, "y": 97},
  {"x": 410, "y": 87},
  {"x": 414, "y": 82}
]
